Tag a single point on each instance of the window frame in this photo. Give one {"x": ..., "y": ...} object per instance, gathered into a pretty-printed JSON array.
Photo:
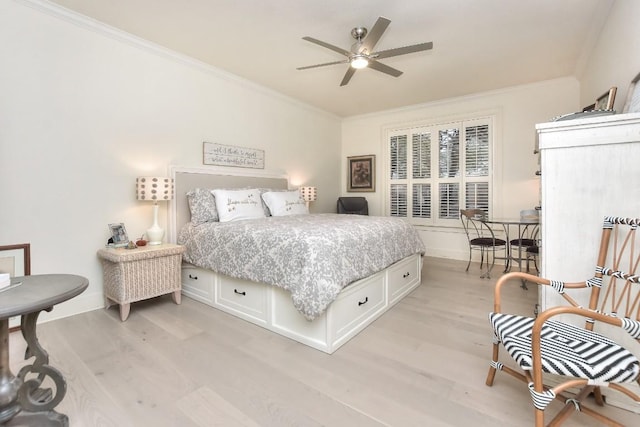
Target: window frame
[{"x": 433, "y": 127}]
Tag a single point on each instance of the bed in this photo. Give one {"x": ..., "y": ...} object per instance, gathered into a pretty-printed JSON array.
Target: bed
[{"x": 318, "y": 299}]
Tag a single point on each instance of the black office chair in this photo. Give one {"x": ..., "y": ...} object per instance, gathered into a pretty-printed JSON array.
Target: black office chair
[{"x": 353, "y": 205}]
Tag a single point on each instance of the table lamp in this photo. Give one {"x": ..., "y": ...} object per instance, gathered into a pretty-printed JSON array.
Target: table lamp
[
  {"x": 154, "y": 188},
  {"x": 309, "y": 194}
]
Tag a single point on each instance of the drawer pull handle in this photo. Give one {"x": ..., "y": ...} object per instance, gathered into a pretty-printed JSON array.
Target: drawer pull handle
[
  {"x": 239, "y": 293},
  {"x": 405, "y": 275},
  {"x": 193, "y": 277},
  {"x": 366, "y": 300}
]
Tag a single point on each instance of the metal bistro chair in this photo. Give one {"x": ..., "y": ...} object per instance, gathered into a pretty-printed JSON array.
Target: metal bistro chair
[
  {"x": 532, "y": 254},
  {"x": 576, "y": 360},
  {"x": 526, "y": 244},
  {"x": 481, "y": 238}
]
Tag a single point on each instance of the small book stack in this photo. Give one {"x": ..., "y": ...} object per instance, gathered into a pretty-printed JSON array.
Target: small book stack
[{"x": 5, "y": 280}]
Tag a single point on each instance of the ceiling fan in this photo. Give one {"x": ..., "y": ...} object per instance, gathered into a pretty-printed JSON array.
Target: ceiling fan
[{"x": 361, "y": 54}]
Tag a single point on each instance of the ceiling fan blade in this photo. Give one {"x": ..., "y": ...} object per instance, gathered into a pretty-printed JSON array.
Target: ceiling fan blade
[
  {"x": 347, "y": 76},
  {"x": 327, "y": 45},
  {"x": 378, "y": 66},
  {"x": 403, "y": 50},
  {"x": 323, "y": 65},
  {"x": 374, "y": 35}
]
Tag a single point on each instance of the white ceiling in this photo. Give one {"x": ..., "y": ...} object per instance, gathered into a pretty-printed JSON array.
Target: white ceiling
[{"x": 479, "y": 45}]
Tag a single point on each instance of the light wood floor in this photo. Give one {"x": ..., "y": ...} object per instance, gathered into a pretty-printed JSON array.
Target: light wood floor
[{"x": 421, "y": 364}]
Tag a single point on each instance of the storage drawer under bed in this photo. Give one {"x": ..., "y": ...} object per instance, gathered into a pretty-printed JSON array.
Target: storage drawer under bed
[
  {"x": 197, "y": 283},
  {"x": 271, "y": 307},
  {"x": 357, "y": 303},
  {"x": 243, "y": 298},
  {"x": 402, "y": 277}
]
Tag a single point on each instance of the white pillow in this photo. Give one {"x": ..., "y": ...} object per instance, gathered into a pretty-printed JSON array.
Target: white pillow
[
  {"x": 233, "y": 205},
  {"x": 281, "y": 203}
]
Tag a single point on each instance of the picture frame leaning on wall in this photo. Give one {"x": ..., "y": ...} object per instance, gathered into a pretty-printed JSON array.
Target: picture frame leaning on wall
[
  {"x": 606, "y": 100},
  {"x": 16, "y": 259}
]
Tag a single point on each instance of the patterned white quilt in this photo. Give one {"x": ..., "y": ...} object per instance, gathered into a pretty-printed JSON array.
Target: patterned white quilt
[{"x": 312, "y": 256}]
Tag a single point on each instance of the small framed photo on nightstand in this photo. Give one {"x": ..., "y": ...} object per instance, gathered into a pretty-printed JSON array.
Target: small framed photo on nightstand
[{"x": 119, "y": 235}]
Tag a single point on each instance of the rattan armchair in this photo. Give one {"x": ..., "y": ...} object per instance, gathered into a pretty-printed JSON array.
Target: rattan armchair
[{"x": 561, "y": 343}]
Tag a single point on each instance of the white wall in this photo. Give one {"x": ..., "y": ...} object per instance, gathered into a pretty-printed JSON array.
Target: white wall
[
  {"x": 84, "y": 109},
  {"x": 615, "y": 59},
  {"x": 515, "y": 185}
]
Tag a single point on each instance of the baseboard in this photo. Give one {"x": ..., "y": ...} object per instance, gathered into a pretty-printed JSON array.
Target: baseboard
[{"x": 80, "y": 304}]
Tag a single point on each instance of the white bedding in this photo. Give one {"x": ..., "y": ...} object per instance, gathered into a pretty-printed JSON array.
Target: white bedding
[{"x": 312, "y": 256}]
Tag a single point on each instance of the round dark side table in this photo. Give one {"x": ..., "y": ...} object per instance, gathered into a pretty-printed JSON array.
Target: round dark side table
[{"x": 22, "y": 401}]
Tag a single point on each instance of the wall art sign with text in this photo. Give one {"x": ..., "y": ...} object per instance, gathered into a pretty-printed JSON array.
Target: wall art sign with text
[{"x": 230, "y": 155}]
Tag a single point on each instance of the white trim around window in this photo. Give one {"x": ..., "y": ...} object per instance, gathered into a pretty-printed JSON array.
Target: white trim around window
[{"x": 432, "y": 170}]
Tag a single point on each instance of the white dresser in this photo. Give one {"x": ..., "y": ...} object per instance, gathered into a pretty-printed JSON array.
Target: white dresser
[{"x": 590, "y": 169}]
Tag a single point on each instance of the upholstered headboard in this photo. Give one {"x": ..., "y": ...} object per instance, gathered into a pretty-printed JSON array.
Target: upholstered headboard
[{"x": 187, "y": 178}]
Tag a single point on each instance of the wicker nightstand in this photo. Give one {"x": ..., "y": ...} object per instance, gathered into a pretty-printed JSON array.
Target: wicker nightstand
[{"x": 132, "y": 275}]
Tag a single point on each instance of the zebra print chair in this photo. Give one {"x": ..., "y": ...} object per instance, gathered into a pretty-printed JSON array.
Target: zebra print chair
[{"x": 584, "y": 360}]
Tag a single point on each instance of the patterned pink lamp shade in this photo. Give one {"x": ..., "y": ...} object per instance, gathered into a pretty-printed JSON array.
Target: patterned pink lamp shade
[
  {"x": 154, "y": 188},
  {"x": 309, "y": 194}
]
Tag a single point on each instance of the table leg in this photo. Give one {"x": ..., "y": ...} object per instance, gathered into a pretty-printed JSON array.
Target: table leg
[
  {"x": 37, "y": 403},
  {"x": 507, "y": 249},
  {"x": 9, "y": 384},
  {"x": 520, "y": 237}
]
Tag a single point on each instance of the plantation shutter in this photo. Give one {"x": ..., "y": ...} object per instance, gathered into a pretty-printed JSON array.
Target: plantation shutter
[
  {"x": 398, "y": 169},
  {"x": 449, "y": 170},
  {"x": 399, "y": 200},
  {"x": 421, "y": 171},
  {"x": 477, "y": 166},
  {"x": 421, "y": 155},
  {"x": 436, "y": 170},
  {"x": 421, "y": 202}
]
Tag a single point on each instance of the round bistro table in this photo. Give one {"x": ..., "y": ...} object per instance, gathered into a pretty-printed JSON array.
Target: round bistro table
[{"x": 22, "y": 401}]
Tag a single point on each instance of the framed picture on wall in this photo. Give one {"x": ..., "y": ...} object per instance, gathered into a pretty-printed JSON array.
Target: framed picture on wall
[
  {"x": 362, "y": 173},
  {"x": 16, "y": 259}
]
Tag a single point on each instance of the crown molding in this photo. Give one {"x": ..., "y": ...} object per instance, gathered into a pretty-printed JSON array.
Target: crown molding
[{"x": 83, "y": 21}]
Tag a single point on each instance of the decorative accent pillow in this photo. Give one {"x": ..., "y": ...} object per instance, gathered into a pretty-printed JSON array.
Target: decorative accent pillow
[
  {"x": 202, "y": 206},
  {"x": 283, "y": 203},
  {"x": 267, "y": 212},
  {"x": 233, "y": 205}
]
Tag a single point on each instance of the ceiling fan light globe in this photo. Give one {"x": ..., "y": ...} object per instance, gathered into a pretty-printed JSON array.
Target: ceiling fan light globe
[{"x": 359, "y": 62}]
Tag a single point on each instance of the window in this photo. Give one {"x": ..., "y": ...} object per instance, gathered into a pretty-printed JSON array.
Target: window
[{"x": 437, "y": 170}]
